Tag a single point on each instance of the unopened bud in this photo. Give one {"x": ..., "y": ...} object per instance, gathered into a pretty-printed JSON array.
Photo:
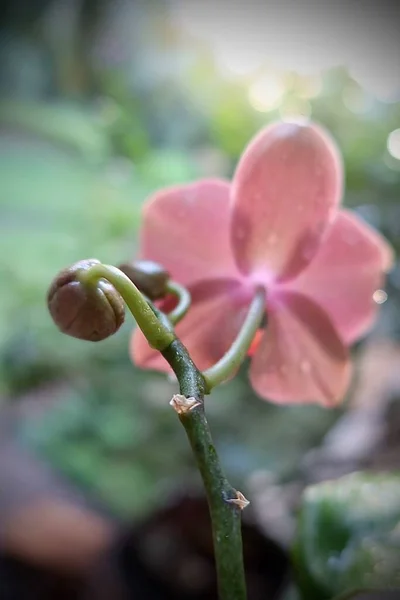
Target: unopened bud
[
  {"x": 148, "y": 276},
  {"x": 92, "y": 311}
]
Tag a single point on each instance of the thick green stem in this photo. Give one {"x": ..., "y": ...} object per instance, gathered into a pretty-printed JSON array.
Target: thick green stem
[
  {"x": 234, "y": 357},
  {"x": 184, "y": 300},
  {"x": 225, "y": 503},
  {"x": 157, "y": 333},
  {"x": 222, "y": 498}
]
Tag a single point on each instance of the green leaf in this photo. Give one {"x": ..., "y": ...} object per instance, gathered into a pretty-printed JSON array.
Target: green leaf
[
  {"x": 61, "y": 123},
  {"x": 349, "y": 536}
]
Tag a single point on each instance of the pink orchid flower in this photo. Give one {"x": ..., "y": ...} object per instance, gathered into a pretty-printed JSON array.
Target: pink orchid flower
[{"x": 278, "y": 225}]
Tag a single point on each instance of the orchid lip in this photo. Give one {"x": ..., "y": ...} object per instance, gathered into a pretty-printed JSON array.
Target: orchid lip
[{"x": 262, "y": 278}]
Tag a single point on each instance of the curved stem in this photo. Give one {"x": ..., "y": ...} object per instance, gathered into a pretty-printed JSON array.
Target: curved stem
[
  {"x": 224, "y": 501},
  {"x": 184, "y": 300},
  {"x": 156, "y": 332},
  {"x": 232, "y": 360}
]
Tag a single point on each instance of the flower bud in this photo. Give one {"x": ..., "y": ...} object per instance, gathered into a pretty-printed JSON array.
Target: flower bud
[
  {"x": 91, "y": 311},
  {"x": 148, "y": 276}
]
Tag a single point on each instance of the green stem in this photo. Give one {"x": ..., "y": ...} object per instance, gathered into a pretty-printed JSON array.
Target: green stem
[
  {"x": 234, "y": 357},
  {"x": 223, "y": 499},
  {"x": 184, "y": 300},
  {"x": 225, "y": 514},
  {"x": 157, "y": 333}
]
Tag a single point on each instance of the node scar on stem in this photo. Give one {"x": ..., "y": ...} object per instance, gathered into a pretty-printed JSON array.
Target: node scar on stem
[
  {"x": 183, "y": 405},
  {"x": 240, "y": 500}
]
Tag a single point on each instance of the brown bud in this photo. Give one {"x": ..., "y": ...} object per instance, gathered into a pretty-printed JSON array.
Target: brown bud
[
  {"x": 90, "y": 312},
  {"x": 148, "y": 276}
]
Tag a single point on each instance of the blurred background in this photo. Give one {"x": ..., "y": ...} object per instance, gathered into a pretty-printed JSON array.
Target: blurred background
[{"x": 101, "y": 103}]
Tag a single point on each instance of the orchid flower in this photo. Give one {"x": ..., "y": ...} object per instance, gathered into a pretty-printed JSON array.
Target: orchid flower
[
  {"x": 266, "y": 266},
  {"x": 277, "y": 226}
]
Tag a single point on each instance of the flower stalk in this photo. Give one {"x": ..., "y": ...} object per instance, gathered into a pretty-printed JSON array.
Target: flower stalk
[
  {"x": 225, "y": 511},
  {"x": 184, "y": 300},
  {"x": 225, "y": 503},
  {"x": 231, "y": 361},
  {"x": 157, "y": 334}
]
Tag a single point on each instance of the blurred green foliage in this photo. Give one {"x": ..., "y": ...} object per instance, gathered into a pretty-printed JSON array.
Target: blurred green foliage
[{"x": 349, "y": 536}]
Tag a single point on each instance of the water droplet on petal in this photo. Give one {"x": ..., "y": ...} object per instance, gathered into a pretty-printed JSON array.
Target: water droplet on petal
[
  {"x": 319, "y": 229},
  {"x": 379, "y": 296},
  {"x": 283, "y": 369},
  {"x": 318, "y": 170},
  {"x": 191, "y": 197},
  {"x": 305, "y": 367},
  {"x": 240, "y": 233},
  {"x": 272, "y": 239},
  {"x": 332, "y": 214},
  {"x": 308, "y": 250},
  {"x": 350, "y": 238}
]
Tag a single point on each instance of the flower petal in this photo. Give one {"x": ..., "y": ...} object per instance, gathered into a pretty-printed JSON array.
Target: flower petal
[
  {"x": 186, "y": 229},
  {"x": 300, "y": 358},
  {"x": 348, "y": 268},
  {"x": 218, "y": 310},
  {"x": 285, "y": 192}
]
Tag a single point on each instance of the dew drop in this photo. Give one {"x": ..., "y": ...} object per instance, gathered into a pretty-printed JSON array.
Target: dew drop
[
  {"x": 272, "y": 239},
  {"x": 379, "y": 296},
  {"x": 350, "y": 238},
  {"x": 240, "y": 233},
  {"x": 332, "y": 214},
  {"x": 305, "y": 367},
  {"x": 190, "y": 197},
  {"x": 318, "y": 170},
  {"x": 319, "y": 229},
  {"x": 308, "y": 251}
]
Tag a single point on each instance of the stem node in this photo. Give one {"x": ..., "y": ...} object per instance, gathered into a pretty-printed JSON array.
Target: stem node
[
  {"x": 240, "y": 500},
  {"x": 183, "y": 405}
]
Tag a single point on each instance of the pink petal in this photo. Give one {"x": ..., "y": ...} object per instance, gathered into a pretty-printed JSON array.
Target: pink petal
[
  {"x": 348, "y": 268},
  {"x": 300, "y": 358},
  {"x": 186, "y": 229},
  {"x": 218, "y": 310},
  {"x": 145, "y": 357},
  {"x": 285, "y": 191}
]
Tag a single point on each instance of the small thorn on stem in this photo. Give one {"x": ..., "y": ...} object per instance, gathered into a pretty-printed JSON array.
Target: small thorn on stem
[
  {"x": 240, "y": 500},
  {"x": 183, "y": 405}
]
